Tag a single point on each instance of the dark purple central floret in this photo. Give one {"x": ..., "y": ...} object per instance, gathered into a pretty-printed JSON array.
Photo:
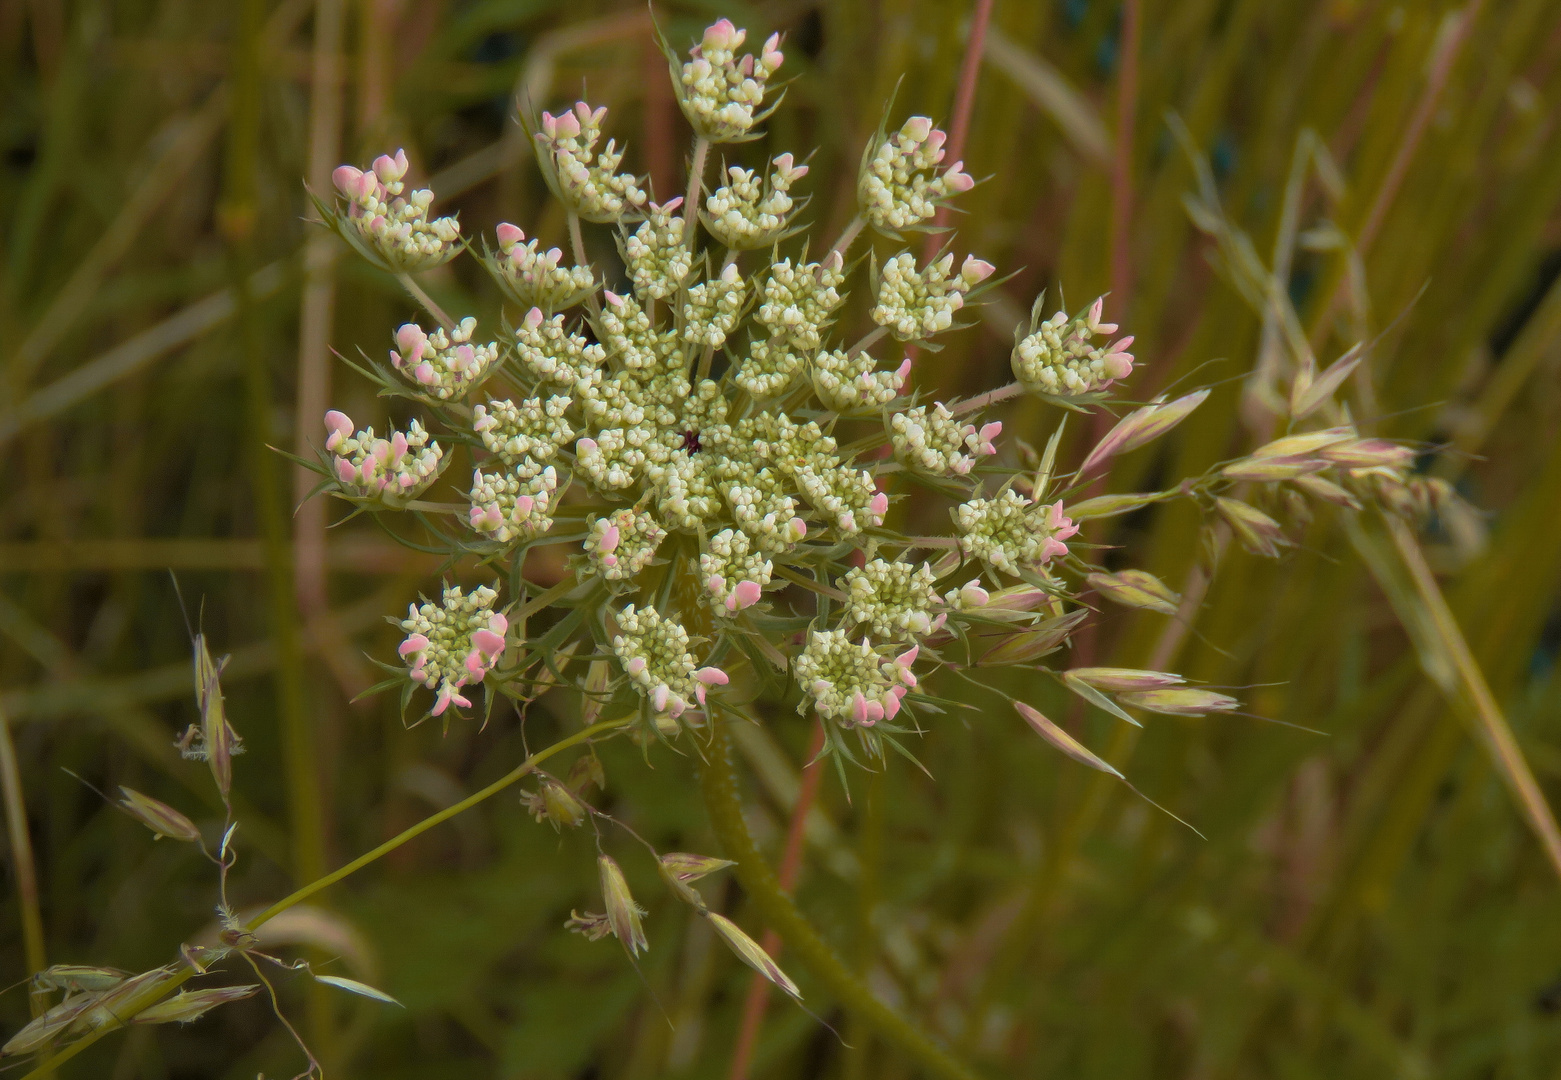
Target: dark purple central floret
[{"x": 691, "y": 442}]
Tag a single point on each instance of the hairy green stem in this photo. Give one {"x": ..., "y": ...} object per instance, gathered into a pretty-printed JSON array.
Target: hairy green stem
[
  {"x": 718, "y": 781},
  {"x": 154, "y": 993},
  {"x": 696, "y": 176},
  {"x": 427, "y": 301}
]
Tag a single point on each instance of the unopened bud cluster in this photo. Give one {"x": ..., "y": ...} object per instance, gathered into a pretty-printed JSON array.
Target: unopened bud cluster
[
  {"x": 719, "y": 92},
  {"x": 898, "y": 188},
  {"x": 917, "y": 304},
  {"x": 370, "y": 467},
  {"x": 1058, "y": 356},
  {"x": 454, "y": 643},
  {"x": 534, "y": 278},
  {"x": 445, "y": 364},
  {"x": 394, "y": 226}
]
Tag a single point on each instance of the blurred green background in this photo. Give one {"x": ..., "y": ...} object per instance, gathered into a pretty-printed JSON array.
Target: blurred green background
[{"x": 1367, "y": 903}]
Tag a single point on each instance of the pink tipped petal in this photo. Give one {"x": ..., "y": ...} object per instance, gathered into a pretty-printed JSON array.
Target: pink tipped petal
[
  {"x": 716, "y": 583},
  {"x": 879, "y": 504},
  {"x": 903, "y": 371},
  {"x": 859, "y": 708},
  {"x": 746, "y": 593},
  {"x": 488, "y": 643},
  {"x": 409, "y": 336},
  {"x": 442, "y": 701},
  {"x": 425, "y": 374},
  {"x": 610, "y": 539},
  {"x": 712, "y": 676},
  {"x": 975, "y": 269},
  {"x": 635, "y": 666},
  {"x": 534, "y": 318},
  {"x": 474, "y": 665},
  {"x": 346, "y": 472},
  {"x": 908, "y": 657},
  {"x": 891, "y": 706},
  {"x": 509, "y": 235},
  {"x": 346, "y": 179},
  {"x": 498, "y": 623},
  {"x": 659, "y": 697},
  {"x": 415, "y": 643}
]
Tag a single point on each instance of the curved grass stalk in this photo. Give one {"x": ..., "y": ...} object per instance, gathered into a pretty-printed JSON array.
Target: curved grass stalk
[
  {"x": 154, "y": 993},
  {"x": 718, "y": 781}
]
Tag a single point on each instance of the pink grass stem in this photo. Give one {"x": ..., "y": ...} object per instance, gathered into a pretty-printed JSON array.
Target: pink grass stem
[{"x": 757, "y": 1000}]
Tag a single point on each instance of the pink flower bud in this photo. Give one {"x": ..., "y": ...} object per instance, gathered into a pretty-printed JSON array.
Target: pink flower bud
[
  {"x": 879, "y": 505},
  {"x": 612, "y": 298},
  {"x": 534, "y": 318},
  {"x": 416, "y": 643},
  {"x": 498, "y": 623},
  {"x": 410, "y": 339},
  {"x": 346, "y": 472},
  {"x": 957, "y": 180},
  {"x": 346, "y": 179},
  {"x": 339, "y": 424},
  {"x": 796, "y": 530},
  {"x": 385, "y": 167},
  {"x": 974, "y": 269},
  {"x": 987, "y": 434},
  {"x": 917, "y": 128},
  {"x": 660, "y": 696},
  {"x": 635, "y": 666},
  {"x": 935, "y": 140},
  {"x": 425, "y": 374},
  {"x": 973, "y": 595},
  {"x": 585, "y": 446},
  {"x": 610, "y": 539},
  {"x": 509, "y": 235},
  {"x": 746, "y": 594},
  {"x": 488, "y": 643},
  {"x": 474, "y": 665}
]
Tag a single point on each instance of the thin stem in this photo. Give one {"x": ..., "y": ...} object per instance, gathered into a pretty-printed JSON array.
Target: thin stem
[
  {"x": 157, "y": 991},
  {"x": 1492, "y": 724},
  {"x": 758, "y": 999},
  {"x": 513, "y": 776},
  {"x": 991, "y": 397},
  {"x": 22, "y": 863},
  {"x": 577, "y": 248},
  {"x": 853, "y": 229},
  {"x": 718, "y": 781},
  {"x": 811, "y": 585},
  {"x": 696, "y": 177},
  {"x": 867, "y": 341},
  {"x": 964, "y": 106},
  {"x": 427, "y": 301},
  {"x": 1122, "y": 161},
  {"x": 317, "y": 308}
]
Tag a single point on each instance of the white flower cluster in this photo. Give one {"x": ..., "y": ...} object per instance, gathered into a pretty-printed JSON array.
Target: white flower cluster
[
  {"x": 534, "y": 278},
  {"x": 1058, "y": 358},
  {"x": 803, "y": 454},
  {"x": 454, "y": 643},
  {"x": 506, "y": 506},
  {"x": 554, "y": 355},
  {"x": 586, "y": 178},
  {"x": 718, "y": 92},
  {"x": 797, "y": 305},
  {"x": 914, "y": 306},
  {"x": 846, "y": 381},
  {"x": 1011, "y": 532},
  {"x": 623, "y": 543},
  {"x": 733, "y": 572},
  {"x": 395, "y": 227},
  {"x": 748, "y": 213},
  {"x": 687, "y": 494},
  {"x": 533, "y": 429},
  {"x": 654, "y": 653},
  {"x": 933, "y": 441},
  {"x": 896, "y": 189},
  {"x": 444, "y": 364},
  {"x": 852, "y": 684},
  {"x": 895, "y": 600},
  {"x": 713, "y": 309},
  {"x": 657, "y": 259},
  {"x": 367, "y": 467}
]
